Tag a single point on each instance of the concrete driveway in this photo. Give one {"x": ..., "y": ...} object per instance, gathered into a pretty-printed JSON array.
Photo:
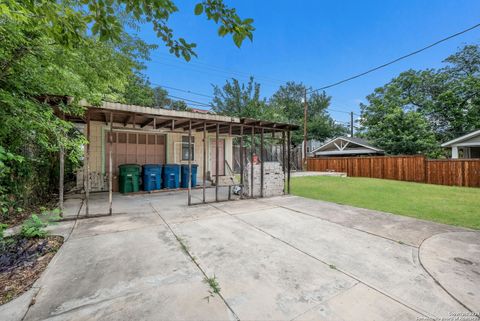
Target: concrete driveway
[{"x": 283, "y": 258}]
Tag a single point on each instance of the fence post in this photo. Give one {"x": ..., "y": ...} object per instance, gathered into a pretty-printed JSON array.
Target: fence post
[{"x": 425, "y": 170}]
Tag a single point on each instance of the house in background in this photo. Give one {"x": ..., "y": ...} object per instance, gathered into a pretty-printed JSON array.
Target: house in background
[
  {"x": 346, "y": 146},
  {"x": 466, "y": 146}
]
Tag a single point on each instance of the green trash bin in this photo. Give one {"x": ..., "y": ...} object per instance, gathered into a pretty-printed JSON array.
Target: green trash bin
[{"x": 129, "y": 179}]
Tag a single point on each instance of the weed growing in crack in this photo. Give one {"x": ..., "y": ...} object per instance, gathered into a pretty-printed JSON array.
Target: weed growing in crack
[
  {"x": 333, "y": 267},
  {"x": 183, "y": 245},
  {"x": 214, "y": 286}
]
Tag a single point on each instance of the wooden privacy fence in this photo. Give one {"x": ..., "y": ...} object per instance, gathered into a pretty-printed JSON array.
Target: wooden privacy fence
[{"x": 458, "y": 172}]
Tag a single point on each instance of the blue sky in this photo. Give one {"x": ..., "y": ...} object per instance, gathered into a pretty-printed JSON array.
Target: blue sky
[{"x": 314, "y": 42}]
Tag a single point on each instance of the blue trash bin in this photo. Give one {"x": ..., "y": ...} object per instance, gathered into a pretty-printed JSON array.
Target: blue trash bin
[
  {"x": 171, "y": 176},
  {"x": 152, "y": 177},
  {"x": 184, "y": 182}
]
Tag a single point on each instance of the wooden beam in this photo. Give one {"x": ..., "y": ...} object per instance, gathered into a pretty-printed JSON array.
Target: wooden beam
[
  {"x": 182, "y": 124},
  {"x": 147, "y": 122},
  {"x": 105, "y": 118},
  {"x": 163, "y": 124},
  {"x": 127, "y": 120},
  {"x": 194, "y": 125}
]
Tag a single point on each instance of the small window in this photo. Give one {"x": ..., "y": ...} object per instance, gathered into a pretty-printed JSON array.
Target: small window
[{"x": 185, "y": 153}]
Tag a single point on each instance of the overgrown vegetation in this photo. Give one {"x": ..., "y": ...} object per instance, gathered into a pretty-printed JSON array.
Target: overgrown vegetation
[
  {"x": 24, "y": 256},
  {"x": 58, "y": 53}
]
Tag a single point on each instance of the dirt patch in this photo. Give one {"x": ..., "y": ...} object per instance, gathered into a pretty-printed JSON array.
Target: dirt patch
[
  {"x": 15, "y": 217},
  {"x": 22, "y": 261}
]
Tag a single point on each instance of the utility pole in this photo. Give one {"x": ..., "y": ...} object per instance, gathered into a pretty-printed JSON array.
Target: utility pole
[
  {"x": 351, "y": 124},
  {"x": 305, "y": 107}
]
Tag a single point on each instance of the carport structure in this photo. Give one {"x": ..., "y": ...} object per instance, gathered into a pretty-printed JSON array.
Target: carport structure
[{"x": 149, "y": 124}]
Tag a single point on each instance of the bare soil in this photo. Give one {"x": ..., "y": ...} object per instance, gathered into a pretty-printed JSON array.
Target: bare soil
[{"x": 22, "y": 261}]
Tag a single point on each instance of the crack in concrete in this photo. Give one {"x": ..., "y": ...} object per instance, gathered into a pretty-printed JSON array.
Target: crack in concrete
[
  {"x": 423, "y": 313},
  {"x": 177, "y": 238}
]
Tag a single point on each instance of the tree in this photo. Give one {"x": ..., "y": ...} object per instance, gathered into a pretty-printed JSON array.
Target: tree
[
  {"x": 179, "y": 105},
  {"x": 67, "y": 22},
  {"x": 445, "y": 100},
  {"x": 288, "y": 102},
  {"x": 240, "y": 100}
]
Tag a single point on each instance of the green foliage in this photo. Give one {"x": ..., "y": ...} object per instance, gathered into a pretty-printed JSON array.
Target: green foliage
[
  {"x": 3, "y": 227},
  {"x": 288, "y": 101},
  {"x": 214, "y": 285},
  {"x": 419, "y": 110},
  {"x": 286, "y": 105},
  {"x": 35, "y": 226},
  {"x": 69, "y": 22},
  {"x": 240, "y": 100}
]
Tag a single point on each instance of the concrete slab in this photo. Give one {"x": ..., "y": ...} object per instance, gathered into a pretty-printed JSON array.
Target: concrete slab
[
  {"x": 388, "y": 266},
  {"x": 395, "y": 227},
  {"x": 282, "y": 258},
  {"x": 135, "y": 274},
  {"x": 453, "y": 259},
  {"x": 16, "y": 309},
  {"x": 244, "y": 206},
  {"x": 115, "y": 223},
  {"x": 259, "y": 278},
  {"x": 360, "y": 303},
  {"x": 71, "y": 207}
]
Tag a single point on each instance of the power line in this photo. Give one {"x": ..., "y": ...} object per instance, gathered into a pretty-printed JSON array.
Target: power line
[
  {"x": 212, "y": 72},
  {"x": 191, "y": 101},
  {"x": 396, "y": 60},
  {"x": 183, "y": 90},
  {"x": 200, "y": 64}
]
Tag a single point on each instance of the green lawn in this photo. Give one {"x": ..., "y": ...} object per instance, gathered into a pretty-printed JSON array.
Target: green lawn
[{"x": 445, "y": 204}]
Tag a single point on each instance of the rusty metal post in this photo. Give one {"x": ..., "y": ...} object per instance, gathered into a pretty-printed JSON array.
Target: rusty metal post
[
  {"x": 110, "y": 166},
  {"x": 204, "y": 158},
  {"x": 61, "y": 178},
  {"x": 87, "y": 166},
  {"x": 262, "y": 158},
  {"x": 283, "y": 163},
  {"x": 252, "y": 152},
  {"x": 61, "y": 175},
  {"x": 189, "y": 193},
  {"x": 288, "y": 161},
  {"x": 216, "y": 162},
  {"x": 241, "y": 162}
]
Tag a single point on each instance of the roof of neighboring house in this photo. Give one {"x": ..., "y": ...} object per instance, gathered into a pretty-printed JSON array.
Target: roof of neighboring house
[
  {"x": 365, "y": 147},
  {"x": 461, "y": 139}
]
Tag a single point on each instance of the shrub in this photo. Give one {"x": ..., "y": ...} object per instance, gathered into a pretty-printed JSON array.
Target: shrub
[{"x": 35, "y": 226}]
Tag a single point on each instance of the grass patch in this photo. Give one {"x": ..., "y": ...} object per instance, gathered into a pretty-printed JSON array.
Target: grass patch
[{"x": 444, "y": 204}]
